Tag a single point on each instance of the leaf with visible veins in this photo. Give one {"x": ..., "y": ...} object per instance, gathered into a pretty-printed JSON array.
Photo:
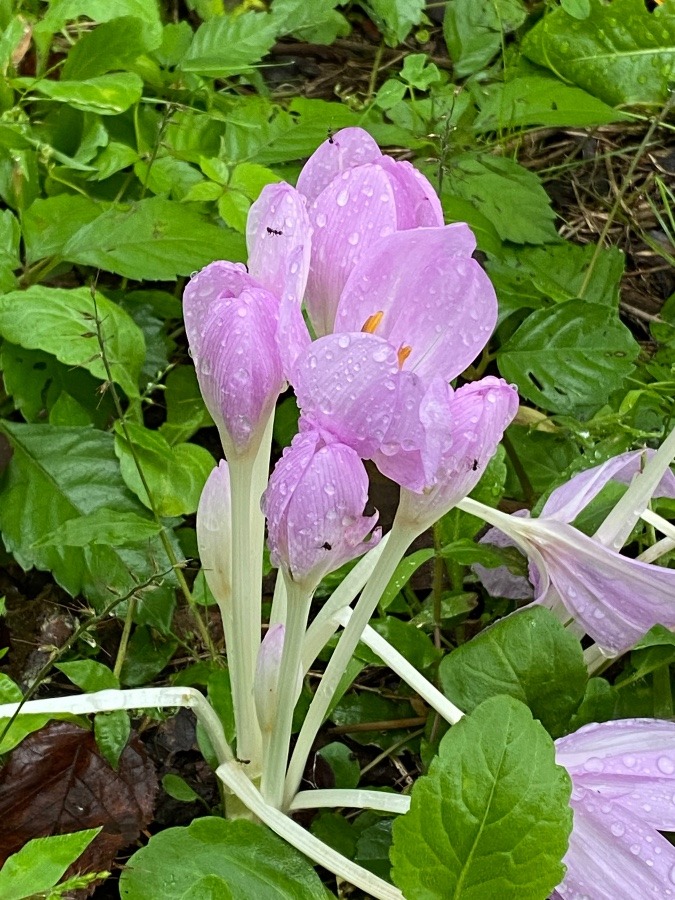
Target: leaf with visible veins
[{"x": 56, "y": 782}]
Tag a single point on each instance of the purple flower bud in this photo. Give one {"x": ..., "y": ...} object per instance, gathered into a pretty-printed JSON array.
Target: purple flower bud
[
  {"x": 266, "y": 685},
  {"x": 623, "y": 779},
  {"x": 214, "y": 534},
  {"x": 357, "y": 196},
  {"x": 314, "y": 506}
]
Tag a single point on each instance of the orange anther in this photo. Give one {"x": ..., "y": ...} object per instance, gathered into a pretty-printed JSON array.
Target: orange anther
[
  {"x": 372, "y": 322},
  {"x": 403, "y": 353}
]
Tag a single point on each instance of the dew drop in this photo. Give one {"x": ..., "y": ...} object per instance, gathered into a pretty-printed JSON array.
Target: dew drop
[
  {"x": 665, "y": 765},
  {"x": 629, "y": 761},
  {"x": 329, "y": 489},
  {"x": 634, "y": 849},
  {"x": 321, "y": 220},
  {"x": 343, "y": 341},
  {"x": 354, "y": 238},
  {"x": 342, "y": 197},
  {"x": 594, "y": 764},
  {"x": 617, "y": 829}
]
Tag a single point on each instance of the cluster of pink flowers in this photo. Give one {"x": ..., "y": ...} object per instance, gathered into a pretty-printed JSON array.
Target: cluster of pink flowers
[{"x": 398, "y": 308}]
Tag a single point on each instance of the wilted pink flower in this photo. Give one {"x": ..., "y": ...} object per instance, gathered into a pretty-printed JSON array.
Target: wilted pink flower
[
  {"x": 357, "y": 196},
  {"x": 231, "y": 318},
  {"x": 314, "y": 506},
  {"x": 623, "y": 777}
]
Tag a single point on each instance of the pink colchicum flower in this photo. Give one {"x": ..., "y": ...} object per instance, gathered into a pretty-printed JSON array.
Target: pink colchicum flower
[
  {"x": 623, "y": 777},
  {"x": 231, "y": 318},
  {"x": 357, "y": 195},
  {"x": 612, "y": 598},
  {"x": 266, "y": 684},
  {"x": 314, "y": 506}
]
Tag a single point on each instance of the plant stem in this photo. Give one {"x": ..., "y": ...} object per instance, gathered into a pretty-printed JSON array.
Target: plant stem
[
  {"x": 352, "y": 799},
  {"x": 274, "y": 768},
  {"x": 400, "y": 538},
  {"x": 124, "y": 640}
]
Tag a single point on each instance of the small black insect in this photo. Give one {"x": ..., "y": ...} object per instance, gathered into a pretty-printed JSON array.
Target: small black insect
[
  {"x": 652, "y": 4},
  {"x": 244, "y": 762},
  {"x": 330, "y": 136},
  {"x": 474, "y": 465},
  {"x": 326, "y": 546},
  {"x": 273, "y": 231}
]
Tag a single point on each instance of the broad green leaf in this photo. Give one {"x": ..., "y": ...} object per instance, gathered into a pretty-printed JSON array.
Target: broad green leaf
[
  {"x": 253, "y": 861},
  {"x": 509, "y": 195},
  {"x": 147, "y": 655},
  {"x": 544, "y": 456},
  {"x": 536, "y": 100},
  {"x": 178, "y": 788},
  {"x": 103, "y": 526},
  {"x": 89, "y": 675},
  {"x": 570, "y": 358},
  {"x": 10, "y": 238},
  {"x": 211, "y": 887},
  {"x": 317, "y": 22},
  {"x": 413, "y": 644},
  {"x": 528, "y": 656},
  {"x": 185, "y": 409},
  {"x": 597, "y": 706},
  {"x": 113, "y": 158},
  {"x": 491, "y": 819},
  {"x": 343, "y": 763},
  {"x": 154, "y": 240},
  {"x": 112, "y": 730},
  {"x": 174, "y": 475},
  {"x": 40, "y": 864},
  {"x": 459, "y": 209},
  {"x": 474, "y": 30},
  {"x": 359, "y": 708},
  {"x": 114, "y": 45},
  {"x": 63, "y": 322},
  {"x": 373, "y": 848},
  {"x": 57, "y": 474},
  {"x": 107, "y": 95},
  {"x": 402, "y": 575},
  {"x": 620, "y": 52},
  {"x": 395, "y": 18},
  {"x": 229, "y": 44},
  {"x": 50, "y": 222},
  {"x": 62, "y": 11}
]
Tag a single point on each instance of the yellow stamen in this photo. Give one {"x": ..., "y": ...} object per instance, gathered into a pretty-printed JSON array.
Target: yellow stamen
[
  {"x": 372, "y": 322},
  {"x": 403, "y": 353}
]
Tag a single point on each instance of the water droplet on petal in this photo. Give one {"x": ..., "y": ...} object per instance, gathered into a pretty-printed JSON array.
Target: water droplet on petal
[
  {"x": 617, "y": 829},
  {"x": 666, "y": 765},
  {"x": 321, "y": 220},
  {"x": 342, "y": 197},
  {"x": 354, "y": 238},
  {"x": 343, "y": 341},
  {"x": 594, "y": 764}
]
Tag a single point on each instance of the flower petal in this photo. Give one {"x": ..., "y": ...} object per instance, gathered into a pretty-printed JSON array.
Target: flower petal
[
  {"x": 435, "y": 299},
  {"x": 613, "y": 855},
  {"x": 567, "y": 501},
  {"x": 293, "y": 336},
  {"x": 346, "y": 149},
  {"x": 214, "y": 533},
  {"x": 238, "y": 367},
  {"x": 348, "y": 217},
  {"x": 277, "y": 226},
  {"x": 616, "y": 599},
  {"x": 216, "y": 281},
  {"x": 417, "y": 204}
]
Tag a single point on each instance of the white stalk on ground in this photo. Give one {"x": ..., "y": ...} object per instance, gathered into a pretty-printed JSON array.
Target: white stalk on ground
[{"x": 351, "y": 799}]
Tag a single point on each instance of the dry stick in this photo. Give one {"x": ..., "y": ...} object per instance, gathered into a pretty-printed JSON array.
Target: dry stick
[{"x": 166, "y": 543}]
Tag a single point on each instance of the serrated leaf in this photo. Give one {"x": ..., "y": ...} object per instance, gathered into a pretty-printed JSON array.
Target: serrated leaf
[
  {"x": 491, "y": 819},
  {"x": 40, "y": 863},
  {"x": 315, "y": 23},
  {"x": 569, "y": 359},
  {"x": 10, "y": 238},
  {"x": 154, "y": 239},
  {"x": 57, "y": 474},
  {"x": 63, "y": 322},
  {"x": 506, "y": 193},
  {"x": 395, "y": 18},
  {"x": 253, "y": 861},
  {"x": 228, "y": 44},
  {"x": 536, "y": 100},
  {"x": 112, "y": 731},
  {"x": 474, "y": 30},
  {"x": 528, "y": 656},
  {"x": 620, "y": 52},
  {"x": 50, "y": 222},
  {"x": 107, "y": 95},
  {"x": 174, "y": 475},
  {"x": 113, "y": 45},
  {"x": 103, "y": 526}
]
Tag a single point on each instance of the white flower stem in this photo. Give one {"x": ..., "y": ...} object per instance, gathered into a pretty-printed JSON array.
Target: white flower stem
[
  {"x": 320, "y": 853},
  {"x": 663, "y": 525},
  {"x": 660, "y": 548},
  {"x": 622, "y": 519},
  {"x": 325, "y": 624},
  {"x": 278, "y": 611},
  {"x": 399, "y": 664},
  {"x": 400, "y": 538},
  {"x": 276, "y": 758},
  {"x": 136, "y": 698},
  {"x": 351, "y": 799}
]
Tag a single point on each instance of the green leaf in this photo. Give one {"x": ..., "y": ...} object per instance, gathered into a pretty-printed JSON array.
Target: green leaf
[
  {"x": 113, "y": 45},
  {"x": 112, "y": 730},
  {"x": 620, "y": 52},
  {"x": 175, "y": 475},
  {"x": 229, "y": 44},
  {"x": 154, "y": 240},
  {"x": 89, "y": 675},
  {"x": 211, "y": 887},
  {"x": 147, "y": 655},
  {"x": 510, "y": 196},
  {"x": 185, "y": 410},
  {"x": 103, "y": 526},
  {"x": 474, "y": 30},
  {"x": 343, "y": 763},
  {"x": 107, "y": 95},
  {"x": 50, "y": 222},
  {"x": 395, "y": 18},
  {"x": 253, "y": 861},
  {"x": 10, "y": 238},
  {"x": 528, "y": 656},
  {"x": 537, "y": 100},
  {"x": 491, "y": 819},
  {"x": 57, "y": 474},
  {"x": 412, "y": 643},
  {"x": 316, "y": 22},
  {"x": 62, "y": 322},
  {"x": 570, "y": 358},
  {"x": 178, "y": 788},
  {"x": 597, "y": 706},
  {"x": 40, "y": 863},
  {"x": 402, "y": 575}
]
